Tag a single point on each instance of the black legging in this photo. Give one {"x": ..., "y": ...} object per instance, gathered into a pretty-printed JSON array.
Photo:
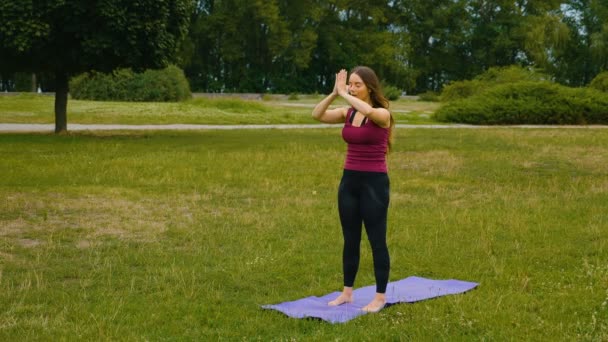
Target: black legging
[{"x": 363, "y": 197}]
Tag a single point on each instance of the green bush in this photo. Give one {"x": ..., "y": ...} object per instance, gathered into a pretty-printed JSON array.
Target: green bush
[
  {"x": 528, "y": 102},
  {"x": 391, "y": 93},
  {"x": 461, "y": 90},
  {"x": 491, "y": 78},
  {"x": 429, "y": 96},
  {"x": 103, "y": 87},
  {"x": 600, "y": 82},
  {"x": 164, "y": 85},
  {"x": 510, "y": 74}
]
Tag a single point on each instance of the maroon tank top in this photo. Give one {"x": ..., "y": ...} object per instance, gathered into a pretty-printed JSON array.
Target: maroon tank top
[{"x": 367, "y": 145}]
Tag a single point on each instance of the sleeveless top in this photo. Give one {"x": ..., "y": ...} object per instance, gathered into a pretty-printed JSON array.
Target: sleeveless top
[{"x": 367, "y": 145}]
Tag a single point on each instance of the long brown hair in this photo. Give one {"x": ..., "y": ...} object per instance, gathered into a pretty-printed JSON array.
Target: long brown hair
[{"x": 369, "y": 77}]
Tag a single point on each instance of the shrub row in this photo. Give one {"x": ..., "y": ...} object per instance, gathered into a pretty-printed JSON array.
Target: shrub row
[
  {"x": 169, "y": 84},
  {"x": 429, "y": 96},
  {"x": 483, "y": 82},
  {"x": 600, "y": 82},
  {"x": 528, "y": 102},
  {"x": 392, "y": 93}
]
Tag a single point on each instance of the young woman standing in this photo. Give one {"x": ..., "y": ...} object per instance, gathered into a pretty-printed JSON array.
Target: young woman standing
[{"x": 363, "y": 195}]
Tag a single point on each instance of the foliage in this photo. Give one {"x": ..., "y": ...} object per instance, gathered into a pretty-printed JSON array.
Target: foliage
[
  {"x": 461, "y": 90},
  {"x": 585, "y": 53},
  {"x": 68, "y": 37},
  {"x": 286, "y": 46},
  {"x": 543, "y": 36},
  {"x": 528, "y": 103},
  {"x": 415, "y": 45},
  {"x": 74, "y": 36},
  {"x": 168, "y": 84},
  {"x": 511, "y": 73},
  {"x": 23, "y": 81},
  {"x": 392, "y": 93},
  {"x": 600, "y": 82},
  {"x": 490, "y": 78},
  {"x": 429, "y": 96}
]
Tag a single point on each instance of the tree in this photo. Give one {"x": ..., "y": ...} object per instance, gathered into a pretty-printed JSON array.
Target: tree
[
  {"x": 438, "y": 35},
  {"x": 544, "y": 37},
  {"x": 237, "y": 44},
  {"x": 291, "y": 45},
  {"x": 585, "y": 54},
  {"x": 416, "y": 45},
  {"x": 66, "y": 37}
]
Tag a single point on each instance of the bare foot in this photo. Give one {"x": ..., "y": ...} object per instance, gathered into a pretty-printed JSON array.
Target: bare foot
[
  {"x": 342, "y": 298},
  {"x": 375, "y": 305}
]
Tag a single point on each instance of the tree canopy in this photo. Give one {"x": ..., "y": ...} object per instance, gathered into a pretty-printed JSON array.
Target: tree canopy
[
  {"x": 286, "y": 46},
  {"x": 66, "y": 37},
  {"x": 416, "y": 45}
]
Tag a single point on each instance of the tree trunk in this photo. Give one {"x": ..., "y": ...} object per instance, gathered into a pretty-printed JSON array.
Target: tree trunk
[
  {"x": 33, "y": 82},
  {"x": 61, "y": 102}
]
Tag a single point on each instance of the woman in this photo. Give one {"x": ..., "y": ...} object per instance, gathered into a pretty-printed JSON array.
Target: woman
[{"x": 363, "y": 195}]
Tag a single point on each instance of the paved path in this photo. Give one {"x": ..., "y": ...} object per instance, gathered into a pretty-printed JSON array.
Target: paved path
[
  {"x": 111, "y": 127},
  {"x": 8, "y": 127}
]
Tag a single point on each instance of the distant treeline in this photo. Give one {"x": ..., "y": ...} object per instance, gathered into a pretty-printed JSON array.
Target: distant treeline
[
  {"x": 287, "y": 46},
  {"x": 417, "y": 46}
]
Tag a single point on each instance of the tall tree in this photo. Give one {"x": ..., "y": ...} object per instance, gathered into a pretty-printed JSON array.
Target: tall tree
[
  {"x": 417, "y": 45},
  {"x": 586, "y": 52},
  {"x": 353, "y": 32},
  {"x": 495, "y": 39},
  {"x": 543, "y": 38},
  {"x": 291, "y": 71},
  {"x": 439, "y": 33},
  {"x": 237, "y": 42},
  {"x": 66, "y": 37},
  {"x": 291, "y": 45}
]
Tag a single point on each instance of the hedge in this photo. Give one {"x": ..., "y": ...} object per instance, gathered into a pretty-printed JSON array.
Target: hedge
[
  {"x": 391, "y": 93},
  {"x": 485, "y": 81},
  {"x": 600, "y": 82},
  {"x": 528, "y": 103},
  {"x": 164, "y": 85}
]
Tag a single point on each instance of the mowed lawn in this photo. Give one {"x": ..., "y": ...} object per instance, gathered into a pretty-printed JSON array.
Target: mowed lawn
[
  {"x": 33, "y": 108},
  {"x": 183, "y": 235}
]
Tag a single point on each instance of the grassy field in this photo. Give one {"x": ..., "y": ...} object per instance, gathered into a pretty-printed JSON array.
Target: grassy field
[
  {"x": 183, "y": 235},
  {"x": 32, "y": 108}
]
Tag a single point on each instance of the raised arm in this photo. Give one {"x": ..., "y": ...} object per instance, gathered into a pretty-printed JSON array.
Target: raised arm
[{"x": 323, "y": 114}]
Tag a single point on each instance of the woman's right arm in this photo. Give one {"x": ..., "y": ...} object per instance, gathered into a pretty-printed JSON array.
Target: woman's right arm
[{"x": 321, "y": 113}]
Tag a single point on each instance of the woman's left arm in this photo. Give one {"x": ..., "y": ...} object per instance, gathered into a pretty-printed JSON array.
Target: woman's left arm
[{"x": 381, "y": 116}]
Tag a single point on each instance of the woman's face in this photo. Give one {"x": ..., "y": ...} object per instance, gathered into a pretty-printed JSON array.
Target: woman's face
[{"x": 357, "y": 88}]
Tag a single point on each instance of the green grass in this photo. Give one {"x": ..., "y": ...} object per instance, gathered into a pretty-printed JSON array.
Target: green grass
[
  {"x": 33, "y": 108},
  {"x": 183, "y": 235}
]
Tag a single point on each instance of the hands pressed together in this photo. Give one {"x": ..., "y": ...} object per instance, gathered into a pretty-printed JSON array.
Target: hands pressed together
[
  {"x": 340, "y": 87},
  {"x": 363, "y": 104}
]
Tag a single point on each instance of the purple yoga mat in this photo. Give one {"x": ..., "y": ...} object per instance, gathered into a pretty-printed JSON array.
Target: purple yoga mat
[{"x": 408, "y": 290}]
